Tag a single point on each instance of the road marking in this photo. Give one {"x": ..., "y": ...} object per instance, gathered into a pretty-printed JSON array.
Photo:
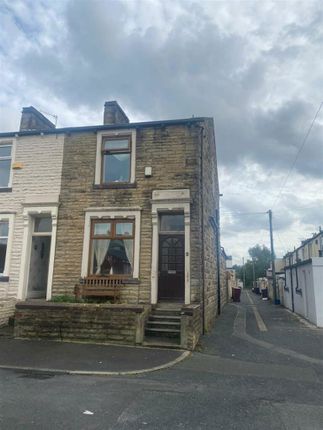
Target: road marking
[
  {"x": 240, "y": 331},
  {"x": 260, "y": 322}
]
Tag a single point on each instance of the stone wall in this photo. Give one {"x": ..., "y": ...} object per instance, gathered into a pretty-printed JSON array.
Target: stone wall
[
  {"x": 210, "y": 205},
  {"x": 173, "y": 153},
  {"x": 7, "y": 307},
  {"x": 225, "y": 289},
  {"x": 191, "y": 326},
  {"x": 39, "y": 174},
  {"x": 81, "y": 322}
]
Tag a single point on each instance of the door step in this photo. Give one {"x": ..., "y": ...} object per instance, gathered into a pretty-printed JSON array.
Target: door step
[
  {"x": 162, "y": 318},
  {"x": 164, "y": 326}
]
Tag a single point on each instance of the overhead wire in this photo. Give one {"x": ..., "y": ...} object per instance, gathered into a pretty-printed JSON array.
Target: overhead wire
[
  {"x": 286, "y": 178},
  {"x": 297, "y": 154}
]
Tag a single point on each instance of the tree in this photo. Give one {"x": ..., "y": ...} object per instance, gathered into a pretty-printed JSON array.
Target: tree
[{"x": 259, "y": 262}]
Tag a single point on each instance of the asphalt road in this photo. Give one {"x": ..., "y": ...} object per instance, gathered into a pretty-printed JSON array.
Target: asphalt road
[{"x": 260, "y": 368}]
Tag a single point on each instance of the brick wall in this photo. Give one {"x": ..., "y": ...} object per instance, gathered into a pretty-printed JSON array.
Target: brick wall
[
  {"x": 41, "y": 158},
  {"x": 172, "y": 152}
]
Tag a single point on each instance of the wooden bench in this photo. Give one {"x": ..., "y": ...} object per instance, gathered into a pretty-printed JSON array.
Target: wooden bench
[{"x": 99, "y": 287}]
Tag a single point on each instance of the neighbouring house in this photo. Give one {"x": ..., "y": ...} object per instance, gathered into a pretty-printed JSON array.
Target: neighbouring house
[
  {"x": 228, "y": 275},
  {"x": 280, "y": 275},
  {"x": 30, "y": 181},
  {"x": 303, "y": 290},
  {"x": 137, "y": 219}
]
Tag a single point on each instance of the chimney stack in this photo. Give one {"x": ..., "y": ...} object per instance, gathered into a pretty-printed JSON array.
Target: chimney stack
[
  {"x": 113, "y": 114},
  {"x": 32, "y": 120}
]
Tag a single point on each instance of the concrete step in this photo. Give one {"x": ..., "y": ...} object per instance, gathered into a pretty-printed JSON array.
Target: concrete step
[
  {"x": 164, "y": 324},
  {"x": 161, "y": 342},
  {"x": 170, "y": 318},
  {"x": 162, "y": 332},
  {"x": 166, "y": 312}
]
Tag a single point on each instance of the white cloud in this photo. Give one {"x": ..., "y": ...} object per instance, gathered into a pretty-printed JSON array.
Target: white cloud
[{"x": 255, "y": 66}]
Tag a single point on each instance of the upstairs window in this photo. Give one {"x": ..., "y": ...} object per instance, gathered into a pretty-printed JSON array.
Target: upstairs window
[
  {"x": 4, "y": 233},
  {"x": 112, "y": 247},
  {"x": 5, "y": 164},
  {"x": 115, "y": 165},
  {"x": 116, "y": 159}
]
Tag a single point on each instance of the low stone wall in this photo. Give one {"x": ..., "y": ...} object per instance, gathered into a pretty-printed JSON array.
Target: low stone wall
[
  {"x": 7, "y": 308},
  {"x": 96, "y": 323},
  {"x": 191, "y": 326}
]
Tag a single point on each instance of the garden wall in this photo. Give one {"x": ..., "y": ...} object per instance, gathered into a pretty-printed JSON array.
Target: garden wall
[{"x": 95, "y": 323}]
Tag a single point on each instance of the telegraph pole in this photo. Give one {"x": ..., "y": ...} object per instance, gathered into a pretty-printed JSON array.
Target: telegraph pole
[
  {"x": 273, "y": 271},
  {"x": 253, "y": 272},
  {"x": 244, "y": 273}
]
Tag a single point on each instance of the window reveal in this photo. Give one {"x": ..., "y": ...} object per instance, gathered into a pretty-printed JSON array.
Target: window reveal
[
  {"x": 4, "y": 232},
  {"x": 116, "y": 159},
  {"x": 5, "y": 164},
  {"x": 111, "y": 247}
]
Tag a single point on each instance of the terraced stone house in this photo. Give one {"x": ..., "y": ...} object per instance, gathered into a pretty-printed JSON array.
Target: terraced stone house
[
  {"x": 136, "y": 221},
  {"x": 30, "y": 181}
]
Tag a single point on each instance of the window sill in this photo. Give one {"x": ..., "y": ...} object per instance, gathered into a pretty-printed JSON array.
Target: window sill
[
  {"x": 117, "y": 185},
  {"x": 5, "y": 190},
  {"x": 4, "y": 278},
  {"x": 130, "y": 281}
]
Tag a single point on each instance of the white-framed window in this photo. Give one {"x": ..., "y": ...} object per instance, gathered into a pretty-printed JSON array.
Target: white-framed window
[
  {"x": 115, "y": 157},
  {"x": 6, "y": 234},
  {"x": 111, "y": 247},
  {"x": 6, "y": 150},
  {"x": 111, "y": 242}
]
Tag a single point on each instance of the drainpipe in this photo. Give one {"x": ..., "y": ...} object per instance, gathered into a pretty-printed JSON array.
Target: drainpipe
[
  {"x": 291, "y": 282},
  {"x": 218, "y": 257}
]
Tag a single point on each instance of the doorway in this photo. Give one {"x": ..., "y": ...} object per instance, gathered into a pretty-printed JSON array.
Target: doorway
[
  {"x": 171, "y": 279},
  {"x": 39, "y": 258}
]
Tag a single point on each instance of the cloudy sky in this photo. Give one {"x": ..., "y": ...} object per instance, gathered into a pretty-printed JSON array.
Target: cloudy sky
[{"x": 255, "y": 66}]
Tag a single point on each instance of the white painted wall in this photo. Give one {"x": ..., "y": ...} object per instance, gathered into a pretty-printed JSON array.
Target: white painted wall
[
  {"x": 287, "y": 292},
  {"x": 40, "y": 176},
  {"x": 317, "y": 265},
  {"x": 308, "y": 303}
]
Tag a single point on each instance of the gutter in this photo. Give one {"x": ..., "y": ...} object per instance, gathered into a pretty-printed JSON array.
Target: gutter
[{"x": 95, "y": 128}]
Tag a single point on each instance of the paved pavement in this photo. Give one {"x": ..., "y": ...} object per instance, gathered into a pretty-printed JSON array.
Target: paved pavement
[
  {"x": 260, "y": 368},
  {"x": 62, "y": 357}
]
